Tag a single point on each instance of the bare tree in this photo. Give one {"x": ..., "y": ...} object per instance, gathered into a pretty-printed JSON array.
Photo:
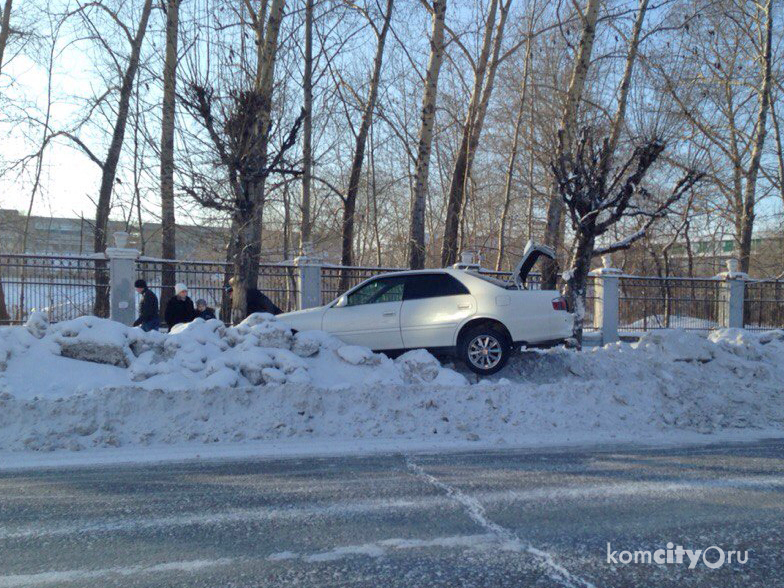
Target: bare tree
[
  {"x": 5, "y": 29},
  {"x": 416, "y": 245},
  {"x": 484, "y": 78},
  {"x": 574, "y": 95},
  {"x": 598, "y": 195},
  {"x": 307, "y": 129},
  {"x": 350, "y": 200},
  {"x": 168, "y": 227}
]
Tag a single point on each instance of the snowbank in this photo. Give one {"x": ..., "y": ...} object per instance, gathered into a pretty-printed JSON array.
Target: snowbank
[{"x": 93, "y": 383}]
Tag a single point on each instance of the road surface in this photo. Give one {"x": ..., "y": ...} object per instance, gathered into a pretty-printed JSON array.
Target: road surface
[{"x": 486, "y": 519}]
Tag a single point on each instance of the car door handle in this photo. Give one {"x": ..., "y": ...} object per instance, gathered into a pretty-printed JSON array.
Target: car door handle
[
  {"x": 389, "y": 314},
  {"x": 463, "y": 306}
]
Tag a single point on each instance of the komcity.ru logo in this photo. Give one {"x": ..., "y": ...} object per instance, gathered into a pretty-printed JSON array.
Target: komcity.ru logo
[{"x": 712, "y": 557}]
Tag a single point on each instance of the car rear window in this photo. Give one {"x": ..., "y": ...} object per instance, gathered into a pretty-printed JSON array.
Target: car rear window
[
  {"x": 420, "y": 286},
  {"x": 492, "y": 280}
]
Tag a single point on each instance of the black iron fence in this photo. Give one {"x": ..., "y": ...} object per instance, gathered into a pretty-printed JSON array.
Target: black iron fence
[
  {"x": 648, "y": 303},
  {"x": 62, "y": 287},
  {"x": 763, "y": 305},
  {"x": 207, "y": 280}
]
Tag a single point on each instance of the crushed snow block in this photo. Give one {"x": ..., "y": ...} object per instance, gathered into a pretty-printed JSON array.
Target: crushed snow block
[
  {"x": 261, "y": 329},
  {"x": 418, "y": 366},
  {"x": 305, "y": 344},
  {"x": 677, "y": 345},
  {"x": 37, "y": 324},
  {"x": 89, "y": 338},
  {"x": 273, "y": 375},
  {"x": 357, "y": 355}
]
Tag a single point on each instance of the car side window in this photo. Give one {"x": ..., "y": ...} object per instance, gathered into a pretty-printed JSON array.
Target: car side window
[
  {"x": 420, "y": 286},
  {"x": 380, "y": 290}
]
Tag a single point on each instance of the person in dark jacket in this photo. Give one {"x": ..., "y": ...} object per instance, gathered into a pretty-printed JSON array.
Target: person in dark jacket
[
  {"x": 203, "y": 311},
  {"x": 258, "y": 301},
  {"x": 148, "y": 308},
  {"x": 180, "y": 307}
]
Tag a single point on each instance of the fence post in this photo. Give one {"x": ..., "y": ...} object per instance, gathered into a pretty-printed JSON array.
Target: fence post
[
  {"x": 308, "y": 280},
  {"x": 731, "y": 297},
  {"x": 605, "y": 311},
  {"x": 122, "y": 262}
]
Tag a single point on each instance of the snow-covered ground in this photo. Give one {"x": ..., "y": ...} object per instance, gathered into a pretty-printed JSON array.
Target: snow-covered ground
[{"x": 106, "y": 390}]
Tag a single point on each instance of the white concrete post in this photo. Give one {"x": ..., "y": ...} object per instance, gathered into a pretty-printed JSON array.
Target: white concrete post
[
  {"x": 605, "y": 310},
  {"x": 308, "y": 280},
  {"x": 732, "y": 295},
  {"x": 122, "y": 269}
]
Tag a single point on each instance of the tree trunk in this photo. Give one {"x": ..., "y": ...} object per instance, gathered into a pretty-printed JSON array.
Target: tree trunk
[
  {"x": 472, "y": 129},
  {"x": 416, "y": 240},
  {"x": 168, "y": 228},
  {"x": 5, "y": 29},
  {"x": 350, "y": 203},
  {"x": 109, "y": 168},
  {"x": 747, "y": 218},
  {"x": 249, "y": 213},
  {"x": 553, "y": 229},
  {"x": 307, "y": 128},
  {"x": 513, "y": 156},
  {"x": 576, "y": 284}
]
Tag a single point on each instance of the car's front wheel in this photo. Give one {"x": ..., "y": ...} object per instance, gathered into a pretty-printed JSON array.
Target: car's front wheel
[{"x": 484, "y": 349}]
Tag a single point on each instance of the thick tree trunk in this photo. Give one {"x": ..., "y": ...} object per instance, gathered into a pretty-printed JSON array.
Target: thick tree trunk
[
  {"x": 484, "y": 79},
  {"x": 416, "y": 239},
  {"x": 749, "y": 197},
  {"x": 168, "y": 239},
  {"x": 109, "y": 168},
  {"x": 553, "y": 228},
  {"x": 307, "y": 128},
  {"x": 249, "y": 213},
  {"x": 575, "y": 288},
  {"x": 5, "y": 29},
  {"x": 350, "y": 203}
]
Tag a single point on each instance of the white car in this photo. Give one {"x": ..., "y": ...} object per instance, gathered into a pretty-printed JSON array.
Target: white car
[{"x": 479, "y": 318}]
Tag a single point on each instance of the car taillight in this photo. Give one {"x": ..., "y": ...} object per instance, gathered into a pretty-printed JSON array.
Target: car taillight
[{"x": 560, "y": 303}]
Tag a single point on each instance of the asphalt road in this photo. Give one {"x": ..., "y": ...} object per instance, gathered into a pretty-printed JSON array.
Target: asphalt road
[{"x": 505, "y": 518}]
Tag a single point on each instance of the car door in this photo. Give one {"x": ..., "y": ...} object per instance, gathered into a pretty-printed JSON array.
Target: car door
[
  {"x": 434, "y": 304},
  {"x": 370, "y": 315}
]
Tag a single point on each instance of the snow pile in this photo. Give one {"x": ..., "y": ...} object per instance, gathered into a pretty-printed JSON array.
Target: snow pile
[
  {"x": 92, "y": 383},
  {"x": 201, "y": 355}
]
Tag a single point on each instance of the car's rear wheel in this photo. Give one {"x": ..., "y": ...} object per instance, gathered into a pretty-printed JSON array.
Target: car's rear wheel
[{"x": 484, "y": 349}]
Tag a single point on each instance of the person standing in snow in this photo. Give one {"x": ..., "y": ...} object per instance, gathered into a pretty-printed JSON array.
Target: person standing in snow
[
  {"x": 148, "y": 308},
  {"x": 258, "y": 301},
  {"x": 180, "y": 307},
  {"x": 203, "y": 311}
]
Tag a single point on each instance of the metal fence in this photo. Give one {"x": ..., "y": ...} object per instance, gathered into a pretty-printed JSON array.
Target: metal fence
[
  {"x": 763, "y": 305},
  {"x": 63, "y": 287},
  {"x": 649, "y": 303},
  {"x": 207, "y": 280}
]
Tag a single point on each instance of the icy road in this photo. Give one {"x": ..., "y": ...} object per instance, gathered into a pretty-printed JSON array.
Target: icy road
[{"x": 490, "y": 519}]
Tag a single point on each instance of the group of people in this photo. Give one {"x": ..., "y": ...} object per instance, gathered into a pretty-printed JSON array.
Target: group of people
[{"x": 180, "y": 308}]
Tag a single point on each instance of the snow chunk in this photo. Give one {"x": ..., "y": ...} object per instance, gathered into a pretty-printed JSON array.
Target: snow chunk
[{"x": 356, "y": 355}]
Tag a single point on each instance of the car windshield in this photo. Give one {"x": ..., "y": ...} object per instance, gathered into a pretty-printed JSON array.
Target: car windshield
[{"x": 486, "y": 278}]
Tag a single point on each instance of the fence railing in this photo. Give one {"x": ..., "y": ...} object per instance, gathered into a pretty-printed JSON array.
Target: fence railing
[
  {"x": 208, "y": 280},
  {"x": 763, "y": 305},
  {"x": 62, "y": 287},
  {"x": 648, "y": 303}
]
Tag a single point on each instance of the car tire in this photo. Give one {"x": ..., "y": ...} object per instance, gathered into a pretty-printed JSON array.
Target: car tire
[{"x": 484, "y": 349}]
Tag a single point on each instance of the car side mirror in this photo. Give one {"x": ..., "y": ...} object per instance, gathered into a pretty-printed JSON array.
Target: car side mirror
[{"x": 342, "y": 301}]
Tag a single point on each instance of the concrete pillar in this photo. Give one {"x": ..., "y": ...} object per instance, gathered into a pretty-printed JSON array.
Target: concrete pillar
[
  {"x": 731, "y": 296},
  {"x": 122, "y": 274},
  {"x": 605, "y": 310},
  {"x": 308, "y": 280}
]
